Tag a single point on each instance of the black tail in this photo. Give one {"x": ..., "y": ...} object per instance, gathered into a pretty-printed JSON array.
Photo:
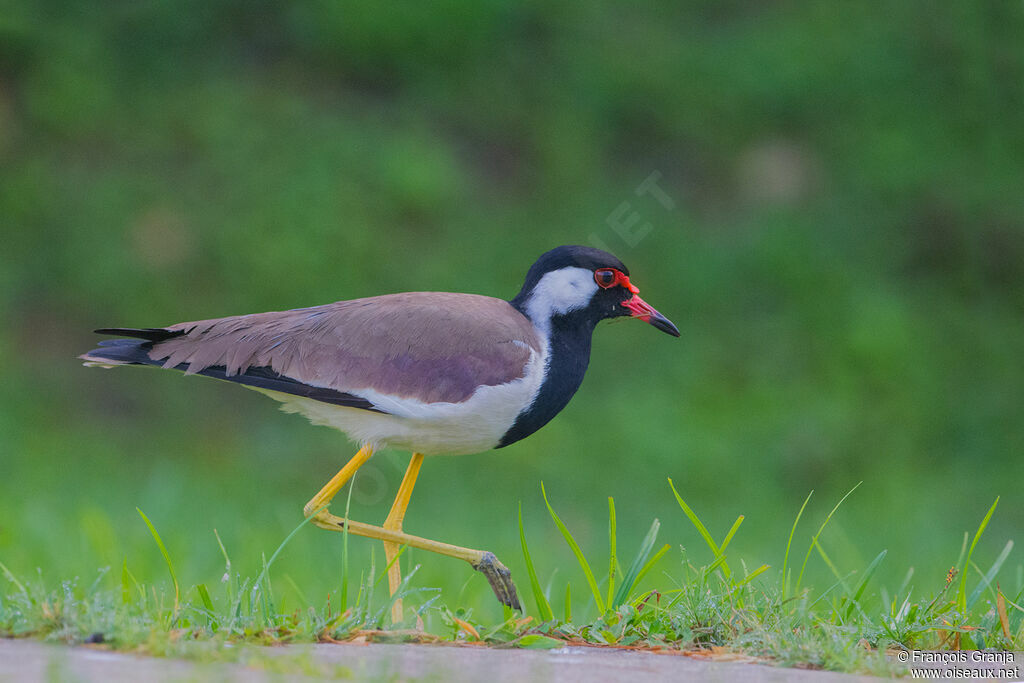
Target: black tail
[
  {"x": 136, "y": 352},
  {"x": 128, "y": 351},
  {"x": 153, "y": 334},
  {"x": 120, "y": 352}
]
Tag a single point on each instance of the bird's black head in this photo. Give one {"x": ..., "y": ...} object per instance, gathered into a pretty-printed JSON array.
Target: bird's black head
[{"x": 583, "y": 285}]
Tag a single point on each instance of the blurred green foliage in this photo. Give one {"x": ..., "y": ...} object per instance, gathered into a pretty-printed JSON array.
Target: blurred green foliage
[{"x": 845, "y": 259}]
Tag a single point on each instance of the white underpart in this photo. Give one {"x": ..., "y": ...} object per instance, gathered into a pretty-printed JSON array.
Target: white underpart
[
  {"x": 559, "y": 292},
  {"x": 474, "y": 425}
]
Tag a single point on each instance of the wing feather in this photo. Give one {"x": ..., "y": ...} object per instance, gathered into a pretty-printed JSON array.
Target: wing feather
[{"x": 430, "y": 346}]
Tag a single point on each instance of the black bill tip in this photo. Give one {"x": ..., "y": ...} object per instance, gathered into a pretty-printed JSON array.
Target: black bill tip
[{"x": 663, "y": 324}]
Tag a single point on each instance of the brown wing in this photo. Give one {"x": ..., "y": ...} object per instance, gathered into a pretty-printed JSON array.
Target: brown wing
[{"x": 430, "y": 346}]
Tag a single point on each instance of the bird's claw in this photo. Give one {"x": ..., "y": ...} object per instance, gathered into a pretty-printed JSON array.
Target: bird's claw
[{"x": 500, "y": 578}]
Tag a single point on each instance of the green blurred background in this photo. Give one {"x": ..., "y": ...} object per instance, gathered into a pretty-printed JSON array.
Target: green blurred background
[{"x": 844, "y": 258}]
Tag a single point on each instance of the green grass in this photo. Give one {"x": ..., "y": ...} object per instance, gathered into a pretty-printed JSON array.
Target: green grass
[{"x": 661, "y": 599}]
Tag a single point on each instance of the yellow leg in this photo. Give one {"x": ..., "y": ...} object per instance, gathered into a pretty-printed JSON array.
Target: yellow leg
[
  {"x": 337, "y": 481},
  {"x": 394, "y": 523},
  {"x": 485, "y": 562}
]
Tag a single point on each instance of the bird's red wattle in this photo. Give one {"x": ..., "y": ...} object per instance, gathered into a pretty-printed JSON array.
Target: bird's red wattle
[{"x": 639, "y": 308}]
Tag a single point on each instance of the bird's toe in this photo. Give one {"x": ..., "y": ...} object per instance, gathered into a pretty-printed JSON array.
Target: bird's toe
[{"x": 500, "y": 578}]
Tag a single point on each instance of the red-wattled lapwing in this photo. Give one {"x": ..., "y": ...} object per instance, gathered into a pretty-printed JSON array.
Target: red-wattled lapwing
[{"x": 428, "y": 372}]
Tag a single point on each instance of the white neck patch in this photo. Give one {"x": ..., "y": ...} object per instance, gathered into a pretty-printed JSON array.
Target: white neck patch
[{"x": 559, "y": 292}]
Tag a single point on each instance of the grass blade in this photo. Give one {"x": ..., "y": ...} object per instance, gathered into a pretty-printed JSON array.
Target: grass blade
[
  {"x": 543, "y": 606},
  {"x": 706, "y": 571},
  {"x": 344, "y": 548},
  {"x": 990, "y": 575},
  {"x": 859, "y": 591},
  {"x": 828, "y": 562},
  {"x": 650, "y": 565},
  {"x": 1004, "y": 620},
  {"x": 961, "y": 594},
  {"x": 752, "y": 575},
  {"x": 13, "y": 579},
  {"x": 633, "y": 573},
  {"x": 167, "y": 558},
  {"x": 785, "y": 558},
  {"x": 702, "y": 530},
  {"x": 230, "y": 582},
  {"x": 262, "y": 581},
  {"x": 732, "y": 532},
  {"x": 390, "y": 564},
  {"x": 126, "y": 589},
  {"x": 612, "y": 560},
  {"x": 814, "y": 539},
  {"x": 298, "y": 590},
  {"x": 576, "y": 551},
  {"x": 402, "y": 591},
  {"x": 568, "y": 602},
  {"x": 224, "y": 552},
  {"x": 204, "y": 596},
  {"x": 537, "y": 641},
  {"x": 264, "y": 590}
]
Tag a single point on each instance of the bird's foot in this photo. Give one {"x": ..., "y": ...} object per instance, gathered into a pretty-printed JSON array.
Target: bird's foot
[
  {"x": 498, "y": 575},
  {"x": 500, "y": 578}
]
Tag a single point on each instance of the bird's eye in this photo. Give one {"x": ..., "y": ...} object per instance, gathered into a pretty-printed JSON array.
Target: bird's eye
[{"x": 605, "y": 278}]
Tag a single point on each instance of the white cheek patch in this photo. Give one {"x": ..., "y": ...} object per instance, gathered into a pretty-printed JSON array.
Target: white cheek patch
[{"x": 560, "y": 292}]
